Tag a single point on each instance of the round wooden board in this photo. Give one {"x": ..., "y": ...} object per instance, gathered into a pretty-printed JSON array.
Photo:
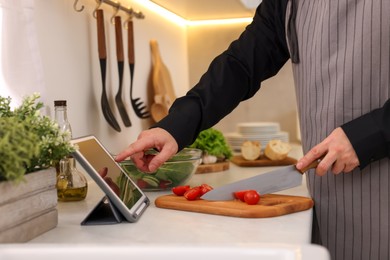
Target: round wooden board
[
  {"x": 262, "y": 161},
  {"x": 213, "y": 167}
]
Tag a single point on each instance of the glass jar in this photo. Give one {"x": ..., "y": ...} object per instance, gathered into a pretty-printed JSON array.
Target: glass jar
[{"x": 71, "y": 183}]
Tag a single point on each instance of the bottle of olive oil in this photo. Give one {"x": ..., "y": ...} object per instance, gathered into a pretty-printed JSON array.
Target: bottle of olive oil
[{"x": 71, "y": 183}]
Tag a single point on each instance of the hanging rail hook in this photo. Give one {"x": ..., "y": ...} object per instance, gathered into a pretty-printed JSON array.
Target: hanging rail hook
[
  {"x": 137, "y": 14},
  {"x": 99, "y": 3},
  {"x": 75, "y": 6},
  {"x": 125, "y": 23},
  {"x": 116, "y": 12}
]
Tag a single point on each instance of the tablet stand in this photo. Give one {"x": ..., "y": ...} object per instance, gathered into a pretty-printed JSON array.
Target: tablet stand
[{"x": 104, "y": 213}]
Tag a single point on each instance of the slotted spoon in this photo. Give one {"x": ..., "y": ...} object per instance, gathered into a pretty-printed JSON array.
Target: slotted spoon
[{"x": 138, "y": 105}]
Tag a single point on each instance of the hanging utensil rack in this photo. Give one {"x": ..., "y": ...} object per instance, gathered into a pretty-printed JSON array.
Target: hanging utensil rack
[{"x": 117, "y": 5}]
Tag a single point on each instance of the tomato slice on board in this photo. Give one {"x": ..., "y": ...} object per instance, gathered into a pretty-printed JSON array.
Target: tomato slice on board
[
  {"x": 205, "y": 188},
  {"x": 180, "y": 190},
  {"x": 193, "y": 193},
  {"x": 251, "y": 197},
  {"x": 240, "y": 194}
]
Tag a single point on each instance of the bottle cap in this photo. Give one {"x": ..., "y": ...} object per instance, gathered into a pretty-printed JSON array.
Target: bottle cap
[{"x": 60, "y": 103}]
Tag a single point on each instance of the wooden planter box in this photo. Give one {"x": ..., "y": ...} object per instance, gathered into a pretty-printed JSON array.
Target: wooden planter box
[{"x": 28, "y": 209}]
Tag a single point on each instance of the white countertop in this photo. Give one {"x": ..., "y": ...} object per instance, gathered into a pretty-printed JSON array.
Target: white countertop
[
  {"x": 172, "y": 234},
  {"x": 173, "y": 227}
]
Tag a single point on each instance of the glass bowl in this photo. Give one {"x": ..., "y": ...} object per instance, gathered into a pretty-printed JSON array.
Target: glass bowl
[{"x": 174, "y": 172}]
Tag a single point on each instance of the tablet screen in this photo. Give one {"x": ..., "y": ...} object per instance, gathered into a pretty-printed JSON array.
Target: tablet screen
[{"x": 110, "y": 171}]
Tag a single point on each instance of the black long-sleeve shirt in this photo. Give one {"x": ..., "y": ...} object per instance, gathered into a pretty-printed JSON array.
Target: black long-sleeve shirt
[{"x": 236, "y": 75}]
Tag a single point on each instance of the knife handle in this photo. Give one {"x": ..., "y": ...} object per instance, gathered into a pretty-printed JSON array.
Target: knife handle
[{"x": 311, "y": 166}]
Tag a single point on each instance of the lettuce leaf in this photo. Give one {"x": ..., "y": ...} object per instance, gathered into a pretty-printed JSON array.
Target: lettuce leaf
[{"x": 213, "y": 142}]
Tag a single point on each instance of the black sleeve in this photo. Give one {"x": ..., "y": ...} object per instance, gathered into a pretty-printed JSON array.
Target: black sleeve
[
  {"x": 370, "y": 135},
  {"x": 234, "y": 76}
]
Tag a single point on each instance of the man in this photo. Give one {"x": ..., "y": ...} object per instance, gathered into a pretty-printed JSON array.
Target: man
[{"x": 340, "y": 51}]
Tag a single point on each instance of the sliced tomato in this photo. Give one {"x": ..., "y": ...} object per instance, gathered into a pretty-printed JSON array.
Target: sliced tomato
[
  {"x": 180, "y": 190},
  {"x": 240, "y": 195},
  {"x": 251, "y": 197},
  {"x": 205, "y": 188},
  {"x": 193, "y": 193}
]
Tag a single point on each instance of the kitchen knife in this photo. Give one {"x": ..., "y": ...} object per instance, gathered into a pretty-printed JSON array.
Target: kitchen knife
[{"x": 270, "y": 182}]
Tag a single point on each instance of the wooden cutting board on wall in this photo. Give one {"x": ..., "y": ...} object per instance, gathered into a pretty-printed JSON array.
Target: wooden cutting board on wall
[
  {"x": 164, "y": 94},
  {"x": 270, "y": 205}
]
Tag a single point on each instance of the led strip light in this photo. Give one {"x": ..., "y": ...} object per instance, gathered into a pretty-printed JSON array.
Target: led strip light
[{"x": 183, "y": 22}]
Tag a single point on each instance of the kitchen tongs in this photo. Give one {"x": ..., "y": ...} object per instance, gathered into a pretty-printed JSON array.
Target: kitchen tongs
[
  {"x": 138, "y": 105},
  {"x": 107, "y": 112},
  {"x": 120, "y": 57}
]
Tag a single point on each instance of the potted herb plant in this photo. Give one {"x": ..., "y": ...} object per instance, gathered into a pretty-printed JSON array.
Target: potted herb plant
[{"x": 31, "y": 145}]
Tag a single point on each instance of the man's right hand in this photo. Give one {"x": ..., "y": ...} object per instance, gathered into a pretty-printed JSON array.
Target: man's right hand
[{"x": 154, "y": 138}]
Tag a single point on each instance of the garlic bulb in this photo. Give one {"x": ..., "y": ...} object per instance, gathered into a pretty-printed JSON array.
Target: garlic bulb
[{"x": 208, "y": 159}]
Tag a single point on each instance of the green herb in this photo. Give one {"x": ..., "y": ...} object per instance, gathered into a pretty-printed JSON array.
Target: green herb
[
  {"x": 17, "y": 149},
  {"x": 212, "y": 142},
  {"x": 175, "y": 172},
  {"x": 29, "y": 141}
]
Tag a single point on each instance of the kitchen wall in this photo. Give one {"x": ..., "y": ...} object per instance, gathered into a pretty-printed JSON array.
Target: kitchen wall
[
  {"x": 68, "y": 44},
  {"x": 276, "y": 99}
]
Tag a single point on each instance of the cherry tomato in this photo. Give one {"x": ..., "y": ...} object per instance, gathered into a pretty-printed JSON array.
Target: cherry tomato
[
  {"x": 164, "y": 184},
  {"x": 180, "y": 190},
  {"x": 193, "y": 193},
  {"x": 251, "y": 197},
  {"x": 205, "y": 188},
  {"x": 142, "y": 184},
  {"x": 240, "y": 195}
]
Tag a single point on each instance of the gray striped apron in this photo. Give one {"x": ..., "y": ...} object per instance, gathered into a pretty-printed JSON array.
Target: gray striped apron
[{"x": 343, "y": 73}]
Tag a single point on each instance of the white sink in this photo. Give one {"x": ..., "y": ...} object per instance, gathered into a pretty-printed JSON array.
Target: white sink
[{"x": 161, "y": 252}]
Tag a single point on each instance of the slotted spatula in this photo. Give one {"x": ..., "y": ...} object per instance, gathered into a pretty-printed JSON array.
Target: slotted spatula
[
  {"x": 120, "y": 57},
  {"x": 107, "y": 112}
]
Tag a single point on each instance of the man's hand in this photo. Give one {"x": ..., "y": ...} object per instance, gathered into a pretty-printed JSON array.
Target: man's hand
[
  {"x": 155, "y": 138},
  {"x": 338, "y": 152}
]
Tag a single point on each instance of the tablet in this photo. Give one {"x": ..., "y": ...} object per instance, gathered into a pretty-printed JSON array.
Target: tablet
[{"x": 121, "y": 191}]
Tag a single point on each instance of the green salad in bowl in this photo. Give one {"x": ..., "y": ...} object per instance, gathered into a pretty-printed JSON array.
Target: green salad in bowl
[{"x": 174, "y": 172}]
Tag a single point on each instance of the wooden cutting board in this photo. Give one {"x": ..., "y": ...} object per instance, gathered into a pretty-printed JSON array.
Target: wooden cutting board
[
  {"x": 270, "y": 205},
  {"x": 162, "y": 81},
  {"x": 213, "y": 167},
  {"x": 262, "y": 161}
]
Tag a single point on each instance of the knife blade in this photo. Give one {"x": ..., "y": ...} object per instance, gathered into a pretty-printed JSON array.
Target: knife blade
[{"x": 270, "y": 182}]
